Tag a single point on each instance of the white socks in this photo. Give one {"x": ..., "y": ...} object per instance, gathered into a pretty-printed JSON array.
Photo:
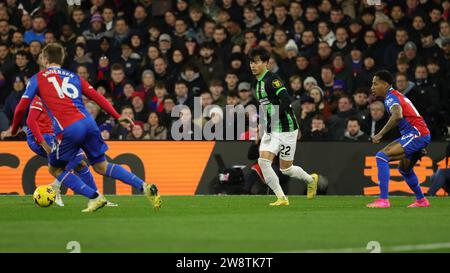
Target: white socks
[
  {"x": 297, "y": 172},
  {"x": 271, "y": 177},
  {"x": 56, "y": 184}
]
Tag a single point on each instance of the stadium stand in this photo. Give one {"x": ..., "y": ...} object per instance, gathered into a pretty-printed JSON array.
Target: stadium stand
[{"x": 148, "y": 56}]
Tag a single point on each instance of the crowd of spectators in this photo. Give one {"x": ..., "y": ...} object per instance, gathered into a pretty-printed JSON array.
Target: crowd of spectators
[{"x": 148, "y": 56}]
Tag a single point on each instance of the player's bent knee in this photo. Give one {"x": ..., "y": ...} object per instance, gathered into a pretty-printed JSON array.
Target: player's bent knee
[
  {"x": 80, "y": 166},
  {"x": 382, "y": 156},
  {"x": 83, "y": 164},
  {"x": 55, "y": 171},
  {"x": 100, "y": 167}
]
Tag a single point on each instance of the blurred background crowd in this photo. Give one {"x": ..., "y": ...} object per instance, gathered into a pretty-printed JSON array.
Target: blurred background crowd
[{"x": 147, "y": 56}]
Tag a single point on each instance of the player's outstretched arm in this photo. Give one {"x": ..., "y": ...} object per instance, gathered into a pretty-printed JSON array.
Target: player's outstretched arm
[
  {"x": 19, "y": 113},
  {"x": 21, "y": 108},
  {"x": 91, "y": 93},
  {"x": 396, "y": 116}
]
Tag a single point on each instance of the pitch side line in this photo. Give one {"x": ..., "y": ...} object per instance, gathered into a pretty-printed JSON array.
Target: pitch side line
[{"x": 402, "y": 248}]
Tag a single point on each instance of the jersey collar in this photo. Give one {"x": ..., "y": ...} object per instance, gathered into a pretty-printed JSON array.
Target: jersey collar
[
  {"x": 260, "y": 78},
  {"x": 390, "y": 90}
]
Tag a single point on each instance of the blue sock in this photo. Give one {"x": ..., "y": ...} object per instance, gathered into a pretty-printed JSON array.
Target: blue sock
[
  {"x": 383, "y": 174},
  {"x": 74, "y": 182},
  {"x": 86, "y": 176},
  {"x": 118, "y": 172},
  {"x": 413, "y": 183}
]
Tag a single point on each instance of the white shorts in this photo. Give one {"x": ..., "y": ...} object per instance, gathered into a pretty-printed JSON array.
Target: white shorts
[{"x": 280, "y": 142}]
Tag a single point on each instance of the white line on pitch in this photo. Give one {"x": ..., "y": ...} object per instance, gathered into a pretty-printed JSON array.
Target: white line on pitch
[{"x": 403, "y": 248}]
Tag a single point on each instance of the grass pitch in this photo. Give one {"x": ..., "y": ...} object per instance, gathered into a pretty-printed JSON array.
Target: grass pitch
[{"x": 224, "y": 224}]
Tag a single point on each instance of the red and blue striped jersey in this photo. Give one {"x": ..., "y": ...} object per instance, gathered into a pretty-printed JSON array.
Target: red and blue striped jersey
[
  {"x": 61, "y": 94},
  {"x": 412, "y": 122}
]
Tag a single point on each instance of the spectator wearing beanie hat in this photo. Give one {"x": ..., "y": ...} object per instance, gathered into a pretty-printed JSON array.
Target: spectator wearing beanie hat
[
  {"x": 319, "y": 99},
  {"x": 96, "y": 30},
  {"x": 105, "y": 130},
  {"x": 305, "y": 114},
  {"x": 383, "y": 26},
  {"x": 309, "y": 82},
  {"x": 139, "y": 108},
  {"x": 137, "y": 132},
  {"x": 147, "y": 83},
  {"x": 292, "y": 47}
]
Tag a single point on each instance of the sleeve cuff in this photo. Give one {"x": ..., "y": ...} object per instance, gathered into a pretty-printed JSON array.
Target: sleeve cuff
[{"x": 279, "y": 90}]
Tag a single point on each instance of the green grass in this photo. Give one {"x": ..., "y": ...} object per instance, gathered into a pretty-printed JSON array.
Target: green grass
[{"x": 221, "y": 224}]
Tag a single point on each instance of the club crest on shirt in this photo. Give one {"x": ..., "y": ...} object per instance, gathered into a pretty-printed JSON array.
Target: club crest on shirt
[{"x": 277, "y": 83}]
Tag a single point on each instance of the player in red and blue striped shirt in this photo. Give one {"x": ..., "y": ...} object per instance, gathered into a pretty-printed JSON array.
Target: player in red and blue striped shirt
[
  {"x": 40, "y": 131},
  {"x": 408, "y": 148},
  {"x": 61, "y": 94}
]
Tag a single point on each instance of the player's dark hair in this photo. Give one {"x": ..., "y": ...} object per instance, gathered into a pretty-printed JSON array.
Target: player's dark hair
[
  {"x": 54, "y": 53},
  {"x": 385, "y": 75},
  {"x": 260, "y": 52}
]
